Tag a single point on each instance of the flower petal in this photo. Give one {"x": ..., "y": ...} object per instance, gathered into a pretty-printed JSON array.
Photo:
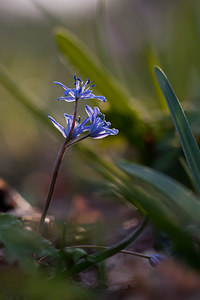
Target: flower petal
[
  {"x": 68, "y": 98},
  {"x": 69, "y": 120},
  {"x": 99, "y": 136},
  {"x": 59, "y": 83},
  {"x": 89, "y": 111},
  {"x": 58, "y": 126},
  {"x": 102, "y": 98}
]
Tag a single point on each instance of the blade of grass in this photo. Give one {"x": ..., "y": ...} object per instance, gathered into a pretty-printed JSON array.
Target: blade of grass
[
  {"x": 182, "y": 199},
  {"x": 188, "y": 173},
  {"x": 101, "y": 36},
  {"x": 23, "y": 96},
  {"x": 186, "y": 137},
  {"x": 152, "y": 60}
]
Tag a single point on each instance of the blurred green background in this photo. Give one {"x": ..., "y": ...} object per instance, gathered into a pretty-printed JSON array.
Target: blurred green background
[{"x": 129, "y": 37}]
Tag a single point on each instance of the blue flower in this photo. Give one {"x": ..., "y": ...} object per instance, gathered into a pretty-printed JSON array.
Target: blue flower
[
  {"x": 156, "y": 259},
  {"x": 79, "y": 92},
  {"x": 78, "y": 128},
  {"x": 98, "y": 127}
]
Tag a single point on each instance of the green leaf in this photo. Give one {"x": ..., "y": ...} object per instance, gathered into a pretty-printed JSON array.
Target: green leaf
[
  {"x": 24, "y": 97},
  {"x": 152, "y": 60},
  {"x": 74, "y": 254},
  {"x": 17, "y": 284},
  {"x": 187, "y": 140},
  {"x": 20, "y": 244},
  {"x": 20, "y": 93},
  {"x": 179, "y": 198},
  {"x": 168, "y": 205}
]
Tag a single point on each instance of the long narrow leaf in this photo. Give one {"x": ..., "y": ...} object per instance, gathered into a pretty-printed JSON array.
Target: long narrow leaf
[
  {"x": 23, "y": 96},
  {"x": 168, "y": 214},
  {"x": 180, "y": 199},
  {"x": 164, "y": 219},
  {"x": 188, "y": 142}
]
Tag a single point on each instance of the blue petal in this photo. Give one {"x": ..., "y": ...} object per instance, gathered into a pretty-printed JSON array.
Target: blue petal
[
  {"x": 92, "y": 96},
  {"x": 68, "y": 98},
  {"x": 94, "y": 119},
  {"x": 115, "y": 131},
  {"x": 85, "y": 94},
  {"x": 69, "y": 119},
  {"x": 87, "y": 127},
  {"x": 56, "y": 82},
  {"x": 58, "y": 126},
  {"x": 89, "y": 111},
  {"x": 68, "y": 91},
  {"x": 77, "y": 83},
  {"x": 81, "y": 128},
  {"x": 96, "y": 111},
  {"x": 68, "y": 116},
  {"x": 86, "y": 83},
  {"x": 112, "y": 131},
  {"x": 100, "y": 98},
  {"x": 99, "y": 136},
  {"x": 90, "y": 87},
  {"x": 85, "y": 122}
]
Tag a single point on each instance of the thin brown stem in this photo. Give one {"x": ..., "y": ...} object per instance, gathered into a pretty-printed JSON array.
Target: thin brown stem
[{"x": 55, "y": 171}]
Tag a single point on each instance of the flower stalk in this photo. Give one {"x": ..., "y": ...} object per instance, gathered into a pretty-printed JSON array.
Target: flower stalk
[{"x": 55, "y": 171}]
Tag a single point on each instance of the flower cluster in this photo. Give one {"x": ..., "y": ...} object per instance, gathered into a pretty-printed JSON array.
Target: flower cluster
[
  {"x": 79, "y": 92},
  {"x": 94, "y": 124}
]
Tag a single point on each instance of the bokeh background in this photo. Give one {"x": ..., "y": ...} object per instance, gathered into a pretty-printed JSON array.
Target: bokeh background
[{"x": 129, "y": 37}]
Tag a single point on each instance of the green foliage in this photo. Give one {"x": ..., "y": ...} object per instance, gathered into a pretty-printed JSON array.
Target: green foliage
[
  {"x": 20, "y": 244},
  {"x": 171, "y": 194},
  {"x": 15, "y": 284},
  {"x": 170, "y": 206},
  {"x": 188, "y": 142},
  {"x": 21, "y": 94},
  {"x": 74, "y": 254}
]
